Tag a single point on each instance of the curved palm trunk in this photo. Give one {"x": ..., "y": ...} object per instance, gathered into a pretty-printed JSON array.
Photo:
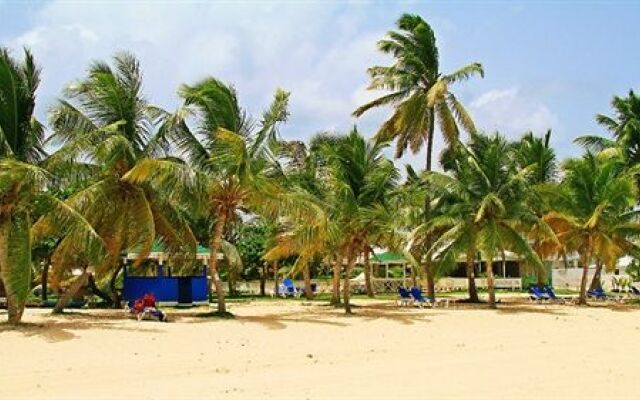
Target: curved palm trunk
[
  {"x": 93, "y": 287},
  {"x": 471, "y": 278},
  {"x": 367, "y": 273},
  {"x": 335, "y": 292},
  {"x": 584, "y": 259},
  {"x": 346, "y": 295},
  {"x": 491, "y": 284},
  {"x": 306, "y": 275},
  {"x": 596, "y": 281},
  {"x": 77, "y": 284},
  {"x": 213, "y": 262},
  {"x": 115, "y": 296}
]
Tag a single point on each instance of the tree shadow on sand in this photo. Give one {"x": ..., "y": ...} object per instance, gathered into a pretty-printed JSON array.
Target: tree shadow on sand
[
  {"x": 323, "y": 315},
  {"x": 62, "y": 327}
]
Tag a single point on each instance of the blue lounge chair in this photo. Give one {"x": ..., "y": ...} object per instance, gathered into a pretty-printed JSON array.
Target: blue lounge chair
[
  {"x": 536, "y": 294},
  {"x": 599, "y": 294},
  {"x": 287, "y": 288},
  {"x": 553, "y": 297},
  {"x": 416, "y": 293},
  {"x": 404, "y": 297}
]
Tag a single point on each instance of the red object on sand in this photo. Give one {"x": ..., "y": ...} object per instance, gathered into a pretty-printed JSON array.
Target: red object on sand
[{"x": 149, "y": 300}]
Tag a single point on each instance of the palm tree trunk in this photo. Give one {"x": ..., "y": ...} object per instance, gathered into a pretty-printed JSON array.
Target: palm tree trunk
[
  {"x": 335, "y": 291},
  {"x": 490, "y": 284},
  {"x": 115, "y": 296},
  {"x": 367, "y": 272},
  {"x": 431, "y": 279},
  {"x": 596, "y": 282},
  {"x": 213, "y": 261},
  {"x": 276, "y": 286},
  {"x": 71, "y": 291},
  {"x": 430, "y": 139},
  {"x": 91, "y": 283},
  {"x": 582, "y": 300},
  {"x": 346, "y": 295},
  {"x": 13, "y": 309},
  {"x": 306, "y": 275},
  {"x": 471, "y": 278},
  {"x": 44, "y": 279},
  {"x": 414, "y": 277},
  {"x": 263, "y": 280}
]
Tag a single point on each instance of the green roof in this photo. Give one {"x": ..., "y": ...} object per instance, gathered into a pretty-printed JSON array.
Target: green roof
[
  {"x": 389, "y": 257},
  {"x": 159, "y": 248}
]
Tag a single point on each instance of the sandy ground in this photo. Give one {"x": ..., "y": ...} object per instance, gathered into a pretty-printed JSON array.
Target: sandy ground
[{"x": 292, "y": 350}]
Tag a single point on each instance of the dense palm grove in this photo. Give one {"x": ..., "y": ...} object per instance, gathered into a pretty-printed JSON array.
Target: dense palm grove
[{"x": 116, "y": 174}]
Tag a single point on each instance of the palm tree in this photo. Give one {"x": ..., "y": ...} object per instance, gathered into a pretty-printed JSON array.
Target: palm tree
[
  {"x": 594, "y": 212},
  {"x": 231, "y": 164},
  {"x": 419, "y": 95},
  {"x": 624, "y": 125},
  {"x": 486, "y": 196},
  {"x": 105, "y": 128},
  {"x": 23, "y": 184},
  {"x": 313, "y": 236},
  {"x": 536, "y": 154},
  {"x": 361, "y": 179}
]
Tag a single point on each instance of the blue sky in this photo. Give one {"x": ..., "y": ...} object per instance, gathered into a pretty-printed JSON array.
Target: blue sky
[{"x": 549, "y": 64}]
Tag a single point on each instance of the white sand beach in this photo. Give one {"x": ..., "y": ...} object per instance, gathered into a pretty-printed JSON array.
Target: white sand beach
[{"x": 290, "y": 350}]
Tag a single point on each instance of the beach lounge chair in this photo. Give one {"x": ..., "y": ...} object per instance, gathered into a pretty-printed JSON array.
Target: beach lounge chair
[
  {"x": 404, "y": 297},
  {"x": 635, "y": 291},
  {"x": 553, "y": 297},
  {"x": 597, "y": 294},
  {"x": 418, "y": 298},
  {"x": 536, "y": 294},
  {"x": 287, "y": 288}
]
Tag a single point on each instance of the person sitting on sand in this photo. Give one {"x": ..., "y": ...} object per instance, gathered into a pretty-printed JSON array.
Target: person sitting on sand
[{"x": 147, "y": 306}]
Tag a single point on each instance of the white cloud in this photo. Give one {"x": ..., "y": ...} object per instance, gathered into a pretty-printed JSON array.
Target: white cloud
[
  {"x": 317, "y": 51},
  {"x": 511, "y": 113}
]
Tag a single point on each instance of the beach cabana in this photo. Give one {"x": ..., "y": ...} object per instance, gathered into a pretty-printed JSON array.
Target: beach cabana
[
  {"x": 389, "y": 259},
  {"x": 168, "y": 289}
]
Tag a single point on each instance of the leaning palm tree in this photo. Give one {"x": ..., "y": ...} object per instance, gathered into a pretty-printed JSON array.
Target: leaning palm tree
[
  {"x": 105, "y": 128},
  {"x": 231, "y": 164},
  {"x": 23, "y": 184},
  {"x": 419, "y": 95},
  {"x": 487, "y": 202},
  {"x": 594, "y": 213}
]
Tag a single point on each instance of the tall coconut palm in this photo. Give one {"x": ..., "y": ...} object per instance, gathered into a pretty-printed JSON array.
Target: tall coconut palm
[
  {"x": 231, "y": 164},
  {"x": 105, "y": 127},
  {"x": 419, "y": 95},
  {"x": 23, "y": 184},
  {"x": 419, "y": 90},
  {"x": 487, "y": 197},
  {"x": 594, "y": 212}
]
